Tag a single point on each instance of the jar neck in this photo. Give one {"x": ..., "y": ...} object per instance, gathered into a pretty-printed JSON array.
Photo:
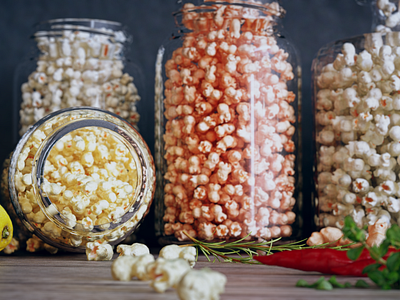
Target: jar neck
[
  {"x": 259, "y": 17},
  {"x": 81, "y": 38}
]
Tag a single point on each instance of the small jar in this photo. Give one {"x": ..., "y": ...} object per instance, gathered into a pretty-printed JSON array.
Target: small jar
[
  {"x": 78, "y": 62},
  {"x": 227, "y": 126},
  {"x": 356, "y": 102},
  {"x": 79, "y": 175}
]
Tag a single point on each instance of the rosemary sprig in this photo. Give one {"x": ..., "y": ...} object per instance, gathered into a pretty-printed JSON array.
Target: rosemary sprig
[{"x": 242, "y": 251}]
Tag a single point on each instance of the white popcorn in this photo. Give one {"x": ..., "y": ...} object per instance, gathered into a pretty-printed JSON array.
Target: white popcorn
[
  {"x": 394, "y": 133},
  {"x": 121, "y": 268},
  {"x": 135, "y": 249},
  {"x": 364, "y": 61},
  {"x": 168, "y": 273},
  {"x": 349, "y": 52},
  {"x": 360, "y": 185},
  {"x": 139, "y": 268},
  {"x": 170, "y": 251},
  {"x": 377, "y": 214},
  {"x": 393, "y": 205},
  {"x": 382, "y": 122},
  {"x": 203, "y": 284},
  {"x": 189, "y": 254},
  {"x": 99, "y": 250}
]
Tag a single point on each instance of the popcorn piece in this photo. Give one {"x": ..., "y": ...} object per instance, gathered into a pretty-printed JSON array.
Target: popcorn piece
[
  {"x": 139, "y": 267},
  {"x": 135, "y": 249},
  {"x": 377, "y": 233},
  {"x": 98, "y": 250},
  {"x": 326, "y": 235},
  {"x": 201, "y": 284},
  {"x": 168, "y": 273},
  {"x": 12, "y": 246},
  {"x": 121, "y": 268}
]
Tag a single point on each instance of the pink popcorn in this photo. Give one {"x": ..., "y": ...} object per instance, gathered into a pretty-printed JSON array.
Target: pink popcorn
[{"x": 206, "y": 231}]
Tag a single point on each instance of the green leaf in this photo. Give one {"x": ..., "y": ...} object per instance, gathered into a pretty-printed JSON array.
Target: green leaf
[
  {"x": 325, "y": 285},
  {"x": 384, "y": 247},
  {"x": 302, "y": 283},
  {"x": 355, "y": 253},
  {"x": 336, "y": 284},
  {"x": 321, "y": 279},
  {"x": 393, "y": 262},
  {"x": 377, "y": 277},
  {"x": 392, "y": 278},
  {"x": 375, "y": 252},
  {"x": 361, "y": 284},
  {"x": 393, "y": 235},
  {"x": 371, "y": 268},
  {"x": 351, "y": 231}
]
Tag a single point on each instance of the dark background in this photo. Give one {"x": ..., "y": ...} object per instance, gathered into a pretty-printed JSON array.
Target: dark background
[{"x": 309, "y": 24}]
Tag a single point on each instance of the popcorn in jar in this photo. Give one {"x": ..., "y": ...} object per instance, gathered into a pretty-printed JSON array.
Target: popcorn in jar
[
  {"x": 81, "y": 178},
  {"x": 81, "y": 63},
  {"x": 227, "y": 126},
  {"x": 356, "y": 102}
]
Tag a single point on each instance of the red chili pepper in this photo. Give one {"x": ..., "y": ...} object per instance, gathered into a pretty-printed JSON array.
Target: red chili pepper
[{"x": 327, "y": 261}]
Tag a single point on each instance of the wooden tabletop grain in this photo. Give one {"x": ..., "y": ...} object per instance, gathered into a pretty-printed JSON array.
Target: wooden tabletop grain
[{"x": 70, "y": 277}]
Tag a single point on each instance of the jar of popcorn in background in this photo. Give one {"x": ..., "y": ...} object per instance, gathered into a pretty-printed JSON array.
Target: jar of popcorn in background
[
  {"x": 228, "y": 125},
  {"x": 78, "y": 175},
  {"x": 356, "y": 91},
  {"x": 78, "y": 62}
]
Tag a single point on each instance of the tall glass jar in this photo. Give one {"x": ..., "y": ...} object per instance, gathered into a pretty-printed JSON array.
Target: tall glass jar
[
  {"x": 227, "y": 125},
  {"x": 79, "y": 175},
  {"x": 78, "y": 62},
  {"x": 356, "y": 102}
]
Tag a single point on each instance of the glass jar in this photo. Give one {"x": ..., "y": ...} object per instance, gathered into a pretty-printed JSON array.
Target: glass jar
[
  {"x": 78, "y": 62},
  {"x": 356, "y": 101},
  {"x": 77, "y": 175},
  {"x": 227, "y": 125}
]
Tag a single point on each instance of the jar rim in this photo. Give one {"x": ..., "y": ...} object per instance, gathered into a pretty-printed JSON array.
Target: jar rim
[
  {"x": 55, "y": 27},
  {"x": 266, "y": 8}
]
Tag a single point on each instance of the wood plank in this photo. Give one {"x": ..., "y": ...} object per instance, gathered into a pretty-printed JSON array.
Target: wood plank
[{"x": 69, "y": 276}]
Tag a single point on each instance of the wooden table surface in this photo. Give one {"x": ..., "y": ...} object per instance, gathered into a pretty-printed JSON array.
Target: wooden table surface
[{"x": 70, "y": 276}]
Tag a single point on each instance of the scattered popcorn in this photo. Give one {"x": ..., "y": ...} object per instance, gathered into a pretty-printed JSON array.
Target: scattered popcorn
[
  {"x": 121, "y": 268},
  {"x": 99, "y": 250},
  {"x": 12, "y": 247},
  {"x": 203, "y": 284},
  {"x": 231, "y": 125},
  {"x": 135, "y": 249},
  {"x": 139, "y": 268},
  {"x": 173, "y": 251},
  {"x": 168, "y": 273}
]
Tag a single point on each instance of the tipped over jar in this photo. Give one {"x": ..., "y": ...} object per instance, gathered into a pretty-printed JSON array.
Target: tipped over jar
[
  {"x": 79, "y": 175},
  {"x": 227, "y": 125}
]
